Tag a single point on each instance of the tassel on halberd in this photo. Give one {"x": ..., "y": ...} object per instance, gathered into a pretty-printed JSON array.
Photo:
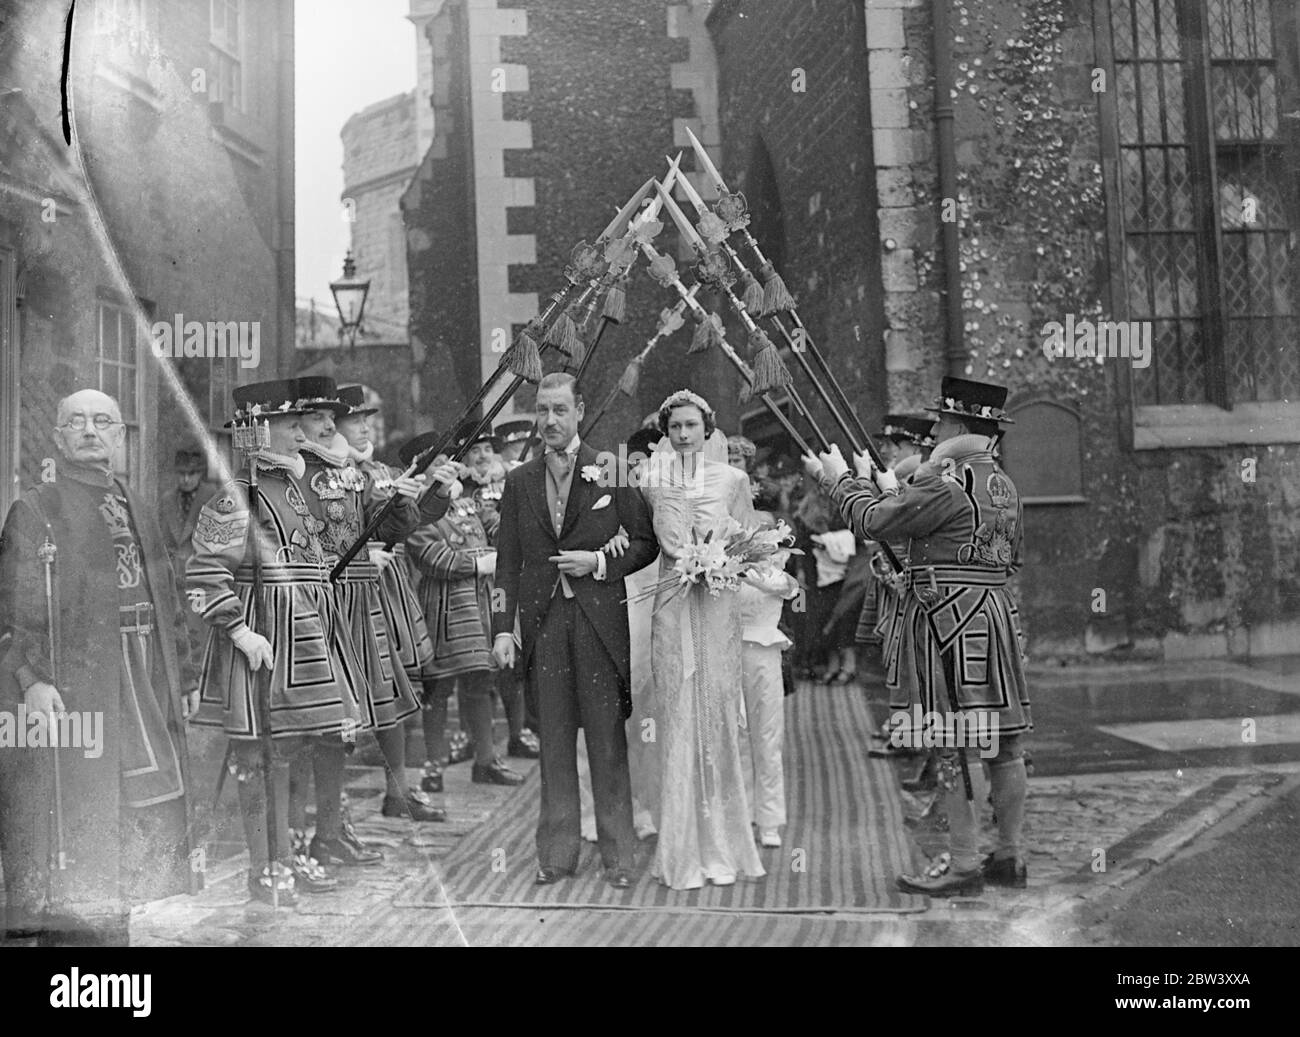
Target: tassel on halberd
[
  {"x": 563, "y": 334},
  {"x": 705, "y": 336},
  {"x": 616, "y": 301},
  {"x": 776, "y": 298},
  {"x": 524, "y": 359},
  {"x": 576, "y": 355},
  {"x": 746, "y": 392},
  {"x": 770, "y": 371},
  {"x": 631, "y": 378},
  {"x": 752, "y": 296}
]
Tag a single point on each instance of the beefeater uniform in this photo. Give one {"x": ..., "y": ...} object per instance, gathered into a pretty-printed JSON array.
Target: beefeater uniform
[
  {"x": 961, "y": 517},
  {"x": 963, "y": 521},
  {"x": 317, "y": 679},
  {"x": 408, "y": 630},
  {"x": 336, "y": 496},
  {"x": 453, "y": 592}
]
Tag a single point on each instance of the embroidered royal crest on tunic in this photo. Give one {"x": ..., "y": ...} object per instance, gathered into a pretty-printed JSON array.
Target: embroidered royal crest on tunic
[
  {"x": 327, "y": 486},
  {"x": 999, "y": 489},
  {"x": 993, "y": 541}
]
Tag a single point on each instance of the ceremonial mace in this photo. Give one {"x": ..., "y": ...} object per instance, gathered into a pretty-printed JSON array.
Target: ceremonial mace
[
  {"x": 58, "y": 862},
  {"x": 731, "y": 210},
  {"x": 713, "y": 233},
  {"x": 523, "y": 359},
  {"x": 664, "y": 271},
  {"x": 712, "y": 271},
  {"x": 250, "y": 440}
]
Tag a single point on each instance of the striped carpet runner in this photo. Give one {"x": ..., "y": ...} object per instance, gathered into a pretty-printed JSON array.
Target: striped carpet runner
[{"x": 843, "y": 847}]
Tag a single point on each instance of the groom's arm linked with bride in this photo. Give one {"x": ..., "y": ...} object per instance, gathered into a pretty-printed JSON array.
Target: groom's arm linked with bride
[{"x": 573, "y": 629}]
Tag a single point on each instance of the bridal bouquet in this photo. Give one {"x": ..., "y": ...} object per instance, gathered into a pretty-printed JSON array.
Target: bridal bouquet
[{"x": 722, "y": 557}]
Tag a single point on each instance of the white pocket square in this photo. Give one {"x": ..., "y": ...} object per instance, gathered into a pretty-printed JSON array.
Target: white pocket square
[{"x": 602, "y": 503}]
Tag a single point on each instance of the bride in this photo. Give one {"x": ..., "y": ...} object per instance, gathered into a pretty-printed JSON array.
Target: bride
[{"x": 704, "y": 825}]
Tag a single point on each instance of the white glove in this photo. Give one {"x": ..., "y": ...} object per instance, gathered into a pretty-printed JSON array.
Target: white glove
[
  {"x": 407, "y": 487},
  {"x": 883, "y": 477},
  {"x": 256, "y": 648},
  {"x": 886, "y": 480},
  {"x": 380, "y": 558},
  {"x": 486, "y": 564}
]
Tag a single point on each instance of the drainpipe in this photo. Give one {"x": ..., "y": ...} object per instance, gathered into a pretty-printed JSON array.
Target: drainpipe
[
  {"x": 286, "y": 360},
  {"x": 954, "y": 345}
]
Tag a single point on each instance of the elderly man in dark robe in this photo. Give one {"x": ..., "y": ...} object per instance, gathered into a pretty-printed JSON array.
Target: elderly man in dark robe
[{"x": 118, "y": 830}]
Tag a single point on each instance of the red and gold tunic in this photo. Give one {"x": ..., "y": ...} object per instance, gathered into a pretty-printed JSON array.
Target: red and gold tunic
[
  {"x": 336, "y": 496},
  {"x": 317, "y": 678},
  {"x": 962, "y": 518},
  {"x": 456, "y": 599}
]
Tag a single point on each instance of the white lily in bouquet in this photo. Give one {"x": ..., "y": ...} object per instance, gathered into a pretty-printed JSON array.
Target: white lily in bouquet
[{"x": 726, "y": 554}]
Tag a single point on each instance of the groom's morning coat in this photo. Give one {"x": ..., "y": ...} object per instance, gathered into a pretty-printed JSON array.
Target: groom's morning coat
[{"x": 526, "y": 578}]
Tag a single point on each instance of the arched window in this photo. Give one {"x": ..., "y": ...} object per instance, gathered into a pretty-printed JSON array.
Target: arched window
[{"x": 1043, "y": 453}]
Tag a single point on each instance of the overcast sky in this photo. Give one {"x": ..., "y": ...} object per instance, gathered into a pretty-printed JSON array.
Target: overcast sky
[{"x": 347, "y": 54}]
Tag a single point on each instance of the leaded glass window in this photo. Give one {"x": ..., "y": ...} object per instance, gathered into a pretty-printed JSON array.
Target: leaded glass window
[{"x": 1207, "y": 117}]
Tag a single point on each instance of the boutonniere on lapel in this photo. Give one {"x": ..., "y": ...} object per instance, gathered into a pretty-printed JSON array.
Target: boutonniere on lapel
[
  {"x": 602, "y": 503},
  {"x": 592, "y": 472}
]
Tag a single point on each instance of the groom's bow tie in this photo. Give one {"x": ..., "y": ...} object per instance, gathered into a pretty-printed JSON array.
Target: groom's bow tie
[{"x": 560, "y": 462}]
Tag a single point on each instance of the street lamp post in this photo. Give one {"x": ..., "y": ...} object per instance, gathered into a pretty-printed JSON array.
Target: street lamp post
[{"x": 350, "y": 298}]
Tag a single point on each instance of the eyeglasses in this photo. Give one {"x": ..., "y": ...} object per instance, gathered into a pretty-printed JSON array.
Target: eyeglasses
[{"x": 78, "y": 422}]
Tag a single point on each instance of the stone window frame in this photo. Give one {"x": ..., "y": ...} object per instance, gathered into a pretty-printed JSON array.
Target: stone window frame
[{"x": 1174, "y": 426}]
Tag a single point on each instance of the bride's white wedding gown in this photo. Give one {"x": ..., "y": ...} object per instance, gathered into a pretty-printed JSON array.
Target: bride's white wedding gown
[{"x": 704, "y": 815}]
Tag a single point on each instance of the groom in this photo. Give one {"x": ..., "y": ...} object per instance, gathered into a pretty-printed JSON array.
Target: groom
[{"x": 556, "y": 514}]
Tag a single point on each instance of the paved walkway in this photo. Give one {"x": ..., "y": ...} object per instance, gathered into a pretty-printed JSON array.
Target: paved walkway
[{"x": 1108, "y": 806}]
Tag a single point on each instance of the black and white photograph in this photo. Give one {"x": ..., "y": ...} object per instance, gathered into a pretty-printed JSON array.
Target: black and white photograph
[{"x": 621, "y": 473}]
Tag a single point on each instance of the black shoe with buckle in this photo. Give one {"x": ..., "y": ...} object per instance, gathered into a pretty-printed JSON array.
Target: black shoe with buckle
[
  {"x": 495, "y": 773},
  {"x": 310, "y": 877},
  {"x": 259, "y": 885},
  {"x": 525, "y": 747},
  {"x": 414, "y": 807},
  {"x": 1011, "y": 872},
  {"x": 432, "y": 780},
  {"x": 940, "y": 880},
  {"x": 547, "y": 876}
]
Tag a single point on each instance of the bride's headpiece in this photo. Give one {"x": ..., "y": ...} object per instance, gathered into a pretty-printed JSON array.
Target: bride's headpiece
[
  {"x": 686, "y": 398},
  {"x": 682, "y": 397}
]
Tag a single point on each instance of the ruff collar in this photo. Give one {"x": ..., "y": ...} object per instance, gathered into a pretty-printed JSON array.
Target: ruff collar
[
  {"x": 362, "y": 456},
  {"x": 291, "y": 463},
  {"x": 336, "y": 454}
]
